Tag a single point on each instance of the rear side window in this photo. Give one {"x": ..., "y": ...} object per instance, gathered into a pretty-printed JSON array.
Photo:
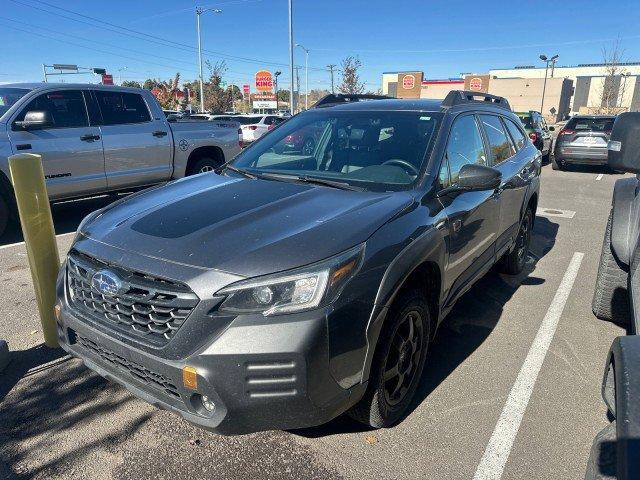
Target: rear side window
[
  {"x": 526, "y": 120},
  {"x": 120, "y": 107},
  {"x": 465, "y": 147},
  {"x": 499, "y": 144},
  {"x": 66, "y": 107},
  {"x": 590, "y": 124},
  {"x": 518, "y": 137}
]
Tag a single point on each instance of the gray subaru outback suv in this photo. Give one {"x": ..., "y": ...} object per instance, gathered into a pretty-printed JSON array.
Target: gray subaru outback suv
[{"x": 297, "y": 285}]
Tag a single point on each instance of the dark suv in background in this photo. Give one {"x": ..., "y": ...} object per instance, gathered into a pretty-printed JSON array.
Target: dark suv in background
[
  {"x": 538, "y": 131},
  {"x": 299, "y": 284},
  {"x": 583, "y": 141}
]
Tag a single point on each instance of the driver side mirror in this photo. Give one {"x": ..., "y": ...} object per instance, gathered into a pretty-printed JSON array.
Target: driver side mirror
[
  {"x": 474, "y": 177},
  {"x": 35, "y": 120},
  {"x": 624, "y": 146}
]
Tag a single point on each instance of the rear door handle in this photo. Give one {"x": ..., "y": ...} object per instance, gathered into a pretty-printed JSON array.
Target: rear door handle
[
  {"x": 89, "y": 137},
  {"x": 159, "y": 133}
]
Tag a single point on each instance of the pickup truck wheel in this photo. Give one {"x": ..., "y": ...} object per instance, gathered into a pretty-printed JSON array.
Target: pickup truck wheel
[
  {"x": 203, "y": 165},
  {"x": 611, "y": 295},
  {"x": 513, "y": 262},
  {"x": 397, "y": 364},
  {"x": 5, "y": 215}
]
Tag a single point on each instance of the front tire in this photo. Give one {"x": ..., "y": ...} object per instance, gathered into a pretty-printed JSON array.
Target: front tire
[
  {"x": 556, "y": 164},
  {"x": 204, "y": 165},
  {"x": 397, "y": 364},
  {"x": 5, "y": 215},
  {"x": 611, "y": 295}
]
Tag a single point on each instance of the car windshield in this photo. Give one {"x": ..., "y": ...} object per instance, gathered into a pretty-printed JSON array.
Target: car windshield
[
  {"x": 590, "y": 124},
  {"x": 526, "y": 120},
  {"x": 9, "y": 96},
  {"x": 373, "y": 150}
]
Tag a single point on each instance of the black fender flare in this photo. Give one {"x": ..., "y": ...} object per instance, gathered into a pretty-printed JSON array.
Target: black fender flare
[
  {"x": 623, "y": 363},
  {"x": 428, "y": 247},
  {"x": 622, "y": 203},
  {"x": 7, "y": 193}
]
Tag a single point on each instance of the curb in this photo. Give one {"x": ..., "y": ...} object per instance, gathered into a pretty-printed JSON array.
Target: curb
[{"x": 4, "y": 355}]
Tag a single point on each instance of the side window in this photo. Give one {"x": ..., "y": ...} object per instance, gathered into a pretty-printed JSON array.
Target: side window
[
  {"x": 465, "y": 147},
  {"x": 66, "y": 107},
  {"x": 499, "y": 144},
  {"x": 517, "y": 135},
  {"x": 120, "y": 107}
]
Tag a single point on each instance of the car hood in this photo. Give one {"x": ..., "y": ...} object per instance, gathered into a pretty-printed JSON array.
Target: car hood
[{"x": 243, "y": 226}]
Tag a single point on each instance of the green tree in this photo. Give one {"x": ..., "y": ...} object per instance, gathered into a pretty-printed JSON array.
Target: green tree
[
  {"x": 131, "y": 83},
  {"x": 150, "y": 84}
]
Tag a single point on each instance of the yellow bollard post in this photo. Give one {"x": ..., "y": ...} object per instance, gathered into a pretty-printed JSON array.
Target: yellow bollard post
[{"x": 30, "y": 189}]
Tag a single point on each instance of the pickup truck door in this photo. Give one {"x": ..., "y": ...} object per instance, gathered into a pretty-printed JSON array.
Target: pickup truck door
[
  {"x": 472, "y": 217},
  {"x": 517, "y": 168},
  {"x": 138, "y": 148},
  {"x": 71, "y": 149}
]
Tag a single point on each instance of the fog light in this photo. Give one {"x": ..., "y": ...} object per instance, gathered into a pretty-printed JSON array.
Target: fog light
[
  {"x": 208, "y": 404},
  {"x": 190, "y": 378}
]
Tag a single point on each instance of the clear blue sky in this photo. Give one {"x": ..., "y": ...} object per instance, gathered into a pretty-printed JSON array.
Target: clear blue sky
[{"x": 441, "y": 38}]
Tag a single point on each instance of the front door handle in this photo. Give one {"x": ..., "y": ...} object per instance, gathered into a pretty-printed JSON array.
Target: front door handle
[
  {"x": 159, "y": 133},
  {"x": 89, "y": 137}
]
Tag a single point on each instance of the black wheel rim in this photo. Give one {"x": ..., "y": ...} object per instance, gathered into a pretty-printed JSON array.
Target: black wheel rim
[
  {"x": 206, "y": 168},
  {"x": 403, "y": 358},
  {"x": 524, "y": 238},
  {"x": 307, "y": 148}
]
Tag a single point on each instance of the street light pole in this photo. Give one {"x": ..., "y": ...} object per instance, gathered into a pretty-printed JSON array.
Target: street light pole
[
  {"x": 546, "y": 71},
  {"x": 331, "y": 67},
  {"x": 291, "y": 99},
  {"x": 276, "y": 75},
  {"x": 200, "y": 11},
  {"x": 306, "y": 76}
]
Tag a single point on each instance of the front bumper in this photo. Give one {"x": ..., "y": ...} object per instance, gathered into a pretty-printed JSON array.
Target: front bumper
[{"x": 260, "y": 373}]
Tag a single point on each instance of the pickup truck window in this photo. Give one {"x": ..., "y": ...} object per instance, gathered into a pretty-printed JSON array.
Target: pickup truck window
[
  {"x": 121, "y": 108},
  {"x": 66, "y": 107},
  {"x": 9, "y": 96},
  {"x": 499, "y": 144},
  {"x": 465, "y": 147}
]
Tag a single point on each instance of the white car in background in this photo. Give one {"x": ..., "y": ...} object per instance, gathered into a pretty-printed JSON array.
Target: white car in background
[{"x": 254, "y": 126}]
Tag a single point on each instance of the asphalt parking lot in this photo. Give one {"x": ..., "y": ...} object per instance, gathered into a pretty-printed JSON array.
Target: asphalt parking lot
[{"x": 512, "y": 384}]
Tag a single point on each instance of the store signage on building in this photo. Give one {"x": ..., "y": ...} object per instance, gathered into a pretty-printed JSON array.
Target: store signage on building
[
  {"x": 409, "y": 84},
  {"x": 246, "y": 89},
  {"x": 264, "y": 81},
  {"x": 264, "y": 100},
  {"x": 477, "y": 83}
]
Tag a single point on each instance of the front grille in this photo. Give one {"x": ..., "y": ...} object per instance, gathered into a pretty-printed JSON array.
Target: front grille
[
  {"x": 145, "y": 307},
  {"x": 137, "y": 371}
]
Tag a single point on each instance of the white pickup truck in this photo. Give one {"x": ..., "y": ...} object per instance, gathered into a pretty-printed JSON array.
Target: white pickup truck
[{"x": 95, "y": 139}]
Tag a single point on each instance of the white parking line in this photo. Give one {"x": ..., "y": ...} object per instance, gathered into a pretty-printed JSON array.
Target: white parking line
[
  {"x": 2, "y": 247},
  {"x": 497, "y": 452},
  {"x": 599, "y": 177},
  {"x": 553, "y": 212}
]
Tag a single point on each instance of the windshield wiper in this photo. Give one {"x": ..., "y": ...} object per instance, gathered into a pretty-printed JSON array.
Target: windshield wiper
[
  {"x": 242, "y": 172},
  {"x": 313, "y": 180}
]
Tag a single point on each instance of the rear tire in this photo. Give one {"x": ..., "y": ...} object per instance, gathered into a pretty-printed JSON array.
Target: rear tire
[
  {"x": 556, "y": 164},
  {"x": 398, "y": 363},
  {"x": 5, "y": 215},
  {"x": 611, "y": 295},
  {"x": 203, "y": 165},
  {"x": 602, "y": 463},
  {"x": 513, "y": 262}
]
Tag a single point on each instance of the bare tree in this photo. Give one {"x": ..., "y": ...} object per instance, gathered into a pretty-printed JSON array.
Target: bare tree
[
  {"x": 351, "y": 82},
  {"x": 614, "y": 81}
]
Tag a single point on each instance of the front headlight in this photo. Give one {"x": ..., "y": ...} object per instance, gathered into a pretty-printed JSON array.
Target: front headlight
[{"x": 293, "y": 291}]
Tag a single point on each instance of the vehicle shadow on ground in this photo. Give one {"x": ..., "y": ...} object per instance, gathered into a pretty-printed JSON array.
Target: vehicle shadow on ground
[
  {"x": 466, "y": 327},
  {"x": 45, "y": 395},
  {"x": 66, "y": 216}
]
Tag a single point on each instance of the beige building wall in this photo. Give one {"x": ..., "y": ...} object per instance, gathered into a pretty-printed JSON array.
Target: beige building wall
[
  {"x": 438, "y": 91},
  {"x": 525, "y": 94}
]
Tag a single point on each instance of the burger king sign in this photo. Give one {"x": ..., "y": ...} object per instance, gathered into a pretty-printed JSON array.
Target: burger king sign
[{"x": 264, "y": 81}]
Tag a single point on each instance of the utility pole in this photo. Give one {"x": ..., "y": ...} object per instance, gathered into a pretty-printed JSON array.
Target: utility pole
[
  {"x": 544, "y": 85},
  {"x": 306, "y": 76},
  {"x": 200, "y": 11},
  {"x": 275, "y": 78},
  {"x": 331, "y": 67},
  {"x": 298, "y": 83},
  {"x": 291, "y": 99}
]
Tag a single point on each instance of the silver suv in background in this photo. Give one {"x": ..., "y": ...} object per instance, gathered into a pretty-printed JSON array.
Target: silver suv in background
[
  {"x": 583, "y": 141},
  {"x": 95, "y": 139}
]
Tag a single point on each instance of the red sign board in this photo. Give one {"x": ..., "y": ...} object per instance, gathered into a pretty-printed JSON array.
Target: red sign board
[
  {"x": 246, "y": 89},
  {"x": 264, "y": 81},
  {"x": 107, "y": 79},
  {"x": 475, "y": 84},
  {"x": 408, "y": 82}
]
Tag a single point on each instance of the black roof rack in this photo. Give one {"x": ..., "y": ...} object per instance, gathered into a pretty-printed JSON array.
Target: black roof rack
[
  {"x": 339, "y": 98},
  {"x": 459, "y": 97}
]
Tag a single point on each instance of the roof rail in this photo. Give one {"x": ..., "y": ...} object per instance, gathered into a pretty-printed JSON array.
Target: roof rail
[
  {"x": 459, "y": 97},
  {"x": 339, "y": 98}
]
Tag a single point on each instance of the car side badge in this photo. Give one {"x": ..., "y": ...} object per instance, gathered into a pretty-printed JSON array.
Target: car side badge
[{"x": 614, "y": 145}]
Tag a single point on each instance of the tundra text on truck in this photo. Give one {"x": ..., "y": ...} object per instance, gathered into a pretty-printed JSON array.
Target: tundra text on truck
[
  {"x": 302, "y": 283},
  {"x": 95, "y": 139}
]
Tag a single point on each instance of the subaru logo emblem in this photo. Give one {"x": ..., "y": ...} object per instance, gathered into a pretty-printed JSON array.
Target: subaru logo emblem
[{"x": 106, "y": 283}]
